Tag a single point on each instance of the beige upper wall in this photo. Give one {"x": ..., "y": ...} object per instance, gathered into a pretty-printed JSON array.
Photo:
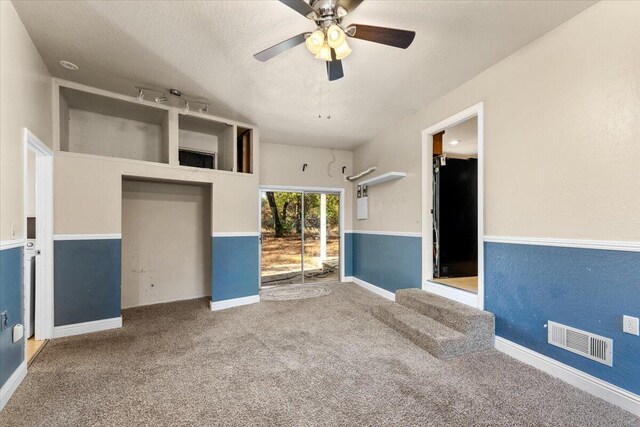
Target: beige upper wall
[
  {"x": 25, "y": 86},
  {"x": 561, "y": 136},
  {"x": 281, "y": 165},
  {"x": 88, "y": 193}
]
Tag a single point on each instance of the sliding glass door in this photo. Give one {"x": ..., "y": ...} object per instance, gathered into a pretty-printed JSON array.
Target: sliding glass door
[{"x": 300, "y": 237}]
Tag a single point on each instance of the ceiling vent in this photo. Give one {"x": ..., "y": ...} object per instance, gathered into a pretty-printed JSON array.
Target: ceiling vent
[{"x": 586, "y": 344}]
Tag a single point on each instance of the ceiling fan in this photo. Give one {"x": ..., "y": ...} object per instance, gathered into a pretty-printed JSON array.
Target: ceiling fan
[{"x": 328, "y": 42}]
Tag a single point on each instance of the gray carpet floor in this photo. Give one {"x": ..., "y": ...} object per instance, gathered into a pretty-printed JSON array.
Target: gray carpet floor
[{"x": 319, "y": 361}]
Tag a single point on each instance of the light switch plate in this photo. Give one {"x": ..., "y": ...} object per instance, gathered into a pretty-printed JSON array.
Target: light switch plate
[
  {"x": 631, "y": 325},
  {"x": 18, "y": 332}
]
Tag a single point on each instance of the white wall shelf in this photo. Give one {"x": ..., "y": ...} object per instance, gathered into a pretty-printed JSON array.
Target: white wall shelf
[{"x": 389, "y": 176}]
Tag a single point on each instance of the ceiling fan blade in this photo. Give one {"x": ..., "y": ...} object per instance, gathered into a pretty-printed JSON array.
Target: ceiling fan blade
[
  {"x": 350, "y": 5},
  {"x": 301, "y": 7},
  {"x": 334, "y": 67},
  {"x": 269, "y": 53},
  {"x": 389, "y": 36}
]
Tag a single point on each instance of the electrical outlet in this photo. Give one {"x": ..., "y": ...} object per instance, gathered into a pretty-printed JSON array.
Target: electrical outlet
[{"x": 631, "y": 325}]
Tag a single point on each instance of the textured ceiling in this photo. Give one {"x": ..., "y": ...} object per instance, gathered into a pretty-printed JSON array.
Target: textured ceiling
[
  {"x": 466, "y": 133},
  {"x": 206, "y": 48}
]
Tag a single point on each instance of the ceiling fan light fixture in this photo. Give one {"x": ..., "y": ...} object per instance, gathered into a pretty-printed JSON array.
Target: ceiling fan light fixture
[
  {"x": 315, "y": 41},
  {"x": 325, "y": 53},
  {"x": 343, "y": 50},
  {"x": 335, "y": 36}
]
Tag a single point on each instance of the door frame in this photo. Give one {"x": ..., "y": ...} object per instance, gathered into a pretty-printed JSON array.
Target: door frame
[
  {"x": 475, "y": 300},
  {"x": 302, "y": 190},
  {"x": 43, "y": 328}
]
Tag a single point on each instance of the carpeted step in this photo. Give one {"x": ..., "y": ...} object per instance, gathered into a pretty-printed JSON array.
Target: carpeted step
[
  {"x": 438, "y": 339},
  {"x": 477, "y": 324}
]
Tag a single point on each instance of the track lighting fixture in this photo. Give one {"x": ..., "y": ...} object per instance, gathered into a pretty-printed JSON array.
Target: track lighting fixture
[{"x": 162, "y": 97}]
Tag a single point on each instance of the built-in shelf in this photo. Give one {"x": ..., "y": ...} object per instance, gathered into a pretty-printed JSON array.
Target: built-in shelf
[
  {"x": 389, "y": 176},
  {"x": 110, "y": 127},
  {"x": 94, "y": 122},
  {"x": 207, "y": 137}
]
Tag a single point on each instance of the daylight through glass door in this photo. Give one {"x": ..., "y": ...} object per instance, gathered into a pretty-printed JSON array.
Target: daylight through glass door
[{"x": 300, "y": 238}]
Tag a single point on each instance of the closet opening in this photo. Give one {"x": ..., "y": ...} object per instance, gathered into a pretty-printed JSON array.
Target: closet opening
[
  {"x": 300, "y": 237},
  {"x": 166, "y": 241}
]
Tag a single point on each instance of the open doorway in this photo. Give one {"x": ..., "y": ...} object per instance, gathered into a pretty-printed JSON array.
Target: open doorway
[
  {"x": 452, "y": 206},
  {"x": 300, "y": 237},
  {"x": 455, "y": 206},
  {"x": 38, "y": 247}
]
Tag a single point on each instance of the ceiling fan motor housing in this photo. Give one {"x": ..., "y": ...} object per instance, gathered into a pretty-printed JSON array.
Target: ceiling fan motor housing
[{"x": 327, "y": 12}]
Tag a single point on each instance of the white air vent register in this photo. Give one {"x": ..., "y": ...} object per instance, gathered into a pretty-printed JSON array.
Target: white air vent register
[{"x": 580, "y": 342}]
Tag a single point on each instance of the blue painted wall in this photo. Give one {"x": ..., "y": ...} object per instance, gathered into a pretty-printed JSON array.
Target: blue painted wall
[
  {"x": 235, "y": 267},
  {"x": 348, "y": 254},
  {"x": 86, "y": 280},
  {"x": 11, "y": 300},
  {"x": 389, "y": 262},
  {"x": 590, "y": 289}
]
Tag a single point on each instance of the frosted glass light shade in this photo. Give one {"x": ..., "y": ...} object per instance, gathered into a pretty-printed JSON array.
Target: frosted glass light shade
[
  {"x": 325, "y": 53},
  {"x": 335, "y": 36},
  {"x": 343, "y": 50},
  {"x": 315, "y": 41}
]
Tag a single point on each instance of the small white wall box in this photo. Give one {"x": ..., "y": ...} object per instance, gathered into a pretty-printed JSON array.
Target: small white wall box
[
  {"x": 631, "y": 325},
  {"x": 18, "y": 332},
  {"x": 362, "y": 208}
]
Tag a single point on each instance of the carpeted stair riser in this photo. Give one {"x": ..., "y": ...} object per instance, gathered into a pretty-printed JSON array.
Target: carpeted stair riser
[
  {"x": 434, "y": 337},
  {"x": 477, "y": 324},
  {"x": 443, "y": 327}
]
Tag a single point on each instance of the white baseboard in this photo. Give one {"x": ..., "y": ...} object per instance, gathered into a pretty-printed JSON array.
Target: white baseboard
[
  {"x": 458, "y": 295},
  {"x": 12, "y": 384},
  {"x": 235, "y": 302},
  {"x": 592, "y": 385},
  {"x": 372, "y": 288},
  {"x": 87, "y": 327}
]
